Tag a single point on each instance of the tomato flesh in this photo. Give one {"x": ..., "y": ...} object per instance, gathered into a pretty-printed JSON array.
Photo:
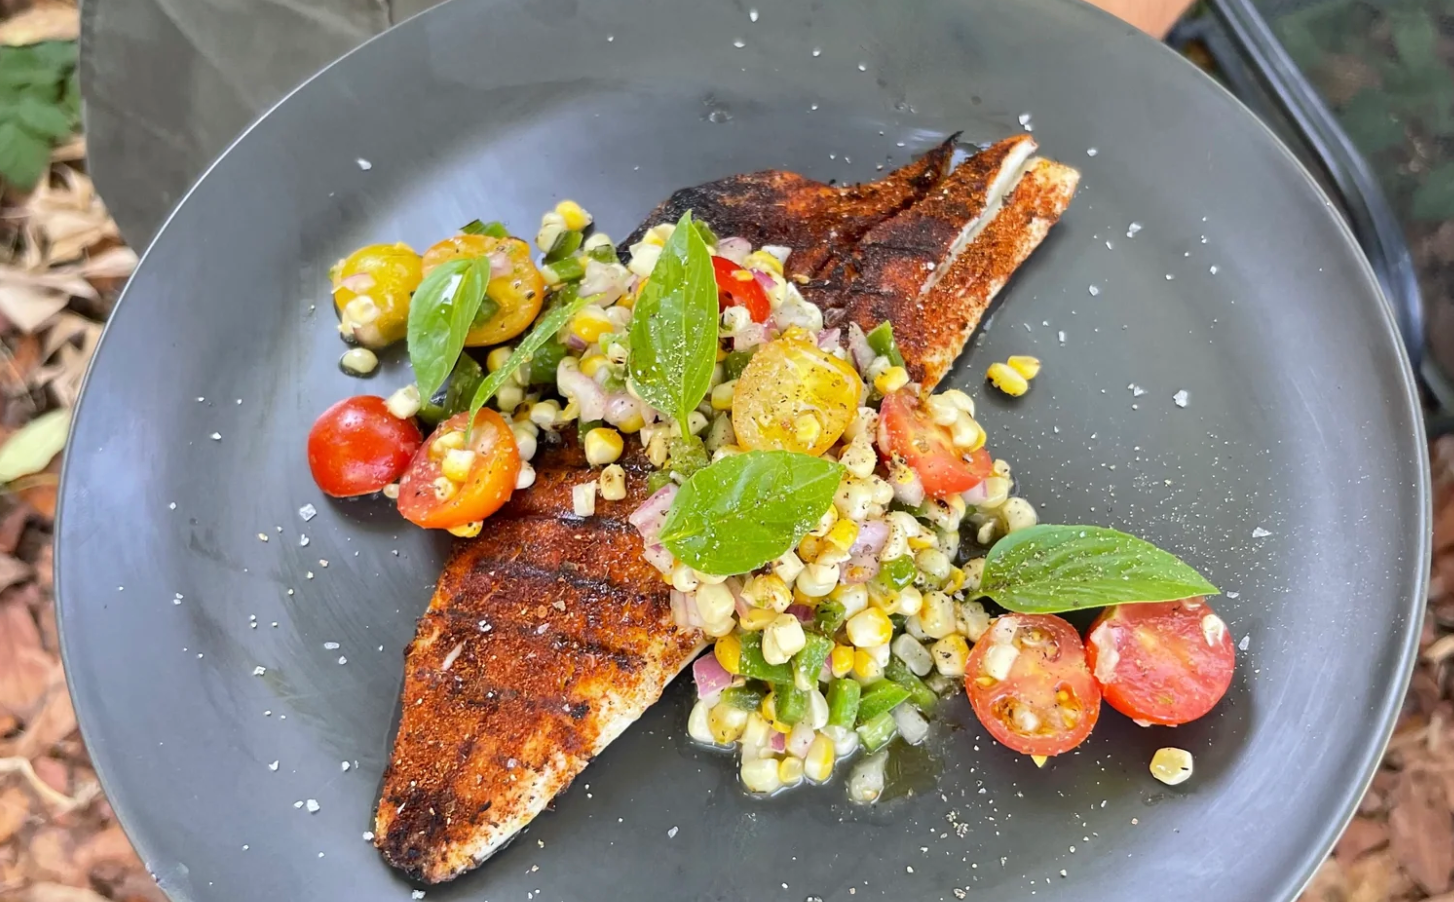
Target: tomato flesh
[
  {"x": 1165, "y": 663},
  {"x": 356, "y": 447},
  {"x": 429, "y": 498},
  {"x": 905, "y": 431},
  {"x": 517, "y": 292},
  {"x": 738, "y": 287},
  {"x": 794, "y": 396},
  {"x": 1046, "y": 702}
]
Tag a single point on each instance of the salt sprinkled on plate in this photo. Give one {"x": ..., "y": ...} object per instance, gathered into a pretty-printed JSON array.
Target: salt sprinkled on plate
[
  {"x": 1260, "y": 533},
  {"x": 307, "y": 512},
  {"x": 331, "y": 646},
  {"x": 739, "y": 43},
  {"x": 273, "y": 766},
  {"x": 365, "y": 165},
  {"x": 1091, "y": 151},
  {"x": 259, "y": 670},
  {"x": 417, "y": 894},
  {"x": 303, "y": 541},
  {"x": 752, "y": 14},
  {"x": 262, "y": 537},
  {"x": 1025, "y": 122},
  {"x": 1234, "y": 594},
  {"x": 313, "y": 806},
  {"x": 1062, "y": 337},
  {"x": 1212, "y": 269},
  {"x": 1246, "y": 641},
  {"x": 216, "y": 436},
  {"x": 172, "y": 506},
  {"x": 368, "y": 836},
  {"x": 342, "y": 659},
  {"x": 1180, "y": 398},
  {"x": 1132, "y": 229},
  {"x": 817, "y": 51},
  {"x": 1094, "y": 290},
  {"x": 344, "y": 765},
  {"x": 298, "y": 804},
  {"x": 671, "y": 834},
  {"x": 863, "y": 67}
]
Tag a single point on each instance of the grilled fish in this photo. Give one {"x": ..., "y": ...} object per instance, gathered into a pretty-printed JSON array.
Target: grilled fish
[{"x": 548, "y": 634}]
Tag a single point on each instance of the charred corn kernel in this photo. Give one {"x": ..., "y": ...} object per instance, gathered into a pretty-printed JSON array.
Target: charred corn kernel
[
  {"x": 790, "y": 771},
  {"x": 942, "y": 410},
  {"x": 613, "y": 483},
  {"x": 966, "y": 434},
  {"x": 761, "y": 775},
  {"x": 891, "y": 380},
  {"x": 768, "y": 592},
  {"x": 757, "y": 619},
  {"x": 603, "y": 446},
  {"x": 934, "y": 564},
  {"x": 593, "y": 364},
  {"x": 457, "y": 464},
  {"x": 728, "y": 652},
  {"x": 526, "y": 478},
  {"x": 859, "y": 460},
  {"x": 936, "y": 617},
  {"x": 583, "y": 499},
  {"x": 865, "y": 667},
  {"x": 1019, "y": 514},
  {"x": 809, "y": 548},
  {"x": 818, "y": 765},
  {"x": 870, "y": 627},
  {"x": 843, "y": 534},
  {"x": 950, "y": 655},
  {"x": 404, "y": 403},
  {"x": 722, "y": 394},
  {"x": 444, "y": 488},
  {"x": 590, "y": 324},
  {"x": 467, "y": 531},
  {"x": 1004, "y": 378},
  {"x": 817, "y": 579},
  {"x": 726, "y": 723},
  {"x": 788, "y": 567},
  {"x": 497, "y": 357},
  {"x": 997, "y": 492},
  {"x": 853, "y": 598},
  {"x": 840, "y": 660},
  {"x": 1026, "y": 366},
  {"x": 955, "y": 581},
  {"x": 764, "y": 261},
  {"x": 853, "y": 497},
  {"x": 656, "y": 450},
  {"x": 1171, "y": 765},
  {"x": 572, "y": 215},
  {"x": 1039, "y": 760},
  {"x": 782, "y": 639},
  {"x": 552, "y": 226}
]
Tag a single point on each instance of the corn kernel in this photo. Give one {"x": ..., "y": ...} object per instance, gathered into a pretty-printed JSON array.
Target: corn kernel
[
  {"x": 966, "y": 434},
  {"x": 524, "y": 434},
  {"x": 468, "y": 530},
  {"x": 790, "y": 771},
  {"x": 684, "y": 578},
  {"x": 632, "y": 423},
  {"x": 937, "y": 616},
  {"x": 404, "y": 403},
  {"x": 782, "y": 638},
  {"x": 552, "y": 226},
  {"x": 997, "y": 491},
  {"x": 840, "y": 660},
  {"x": 1171, "y": 765},
  {"x": 526, "y": 478},
  {"x": 696, "y": 422},
  {"x": 843, "y": 534},
  {"x": 593, "y": 364},
  {"x": 870, "y": 627},
  {"x": 1026, "y": 366},
  {"x": 817, "y": 579},
  {"x": 450, "y": 441},
  {"x": 444, "y": 488},
  {"x": 583, "y": 499},
  {"x": 722, "y": 395},
  {"x": 768, "y": 592},
  {"x": 457, "y": 465},
  {"x": 942, "y": 410},
  {"x": 658, "y": 235},
  {"x": 613, "y": 483},
  {"x": 726, "y": 723},
  {"x": 572, "y": 215},
  {"x": 818, "y": 765},
  {"x": 788, "y": 567},
  {"x": 909, "y": 601},
  {"x": 698, "y": 726},
  {"x": 509, "y": 397},
  {"x": 590, "y": 324},
  {"x": 1004, "y": 378},
  {"x": 757, "y": 619},
  {"x": 764, "y": 261},
  {"x": 728, "y": 652},
  {"x": 950, "y": 655},
  {"x": 955, "y": 582},
  {"x": 1018, "y": 514},
  {"x": 891, "y": 380},
  {"x": 497, "y": 357},
  {"x": 761, "y": 775},
  {"x": 865, "y": 667},
  {"x": 603, "y": 446},
  {"x": 807, "y": 429}
]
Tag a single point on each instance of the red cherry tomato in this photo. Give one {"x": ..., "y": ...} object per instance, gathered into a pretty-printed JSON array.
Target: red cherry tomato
[
  {"x": 906, "y": 431},
  {"x": 356, "y": 447},
  {"x": 1166, "y": 663},
  {"x": 1045, "y": 703},
  {"x": 737, "y": 287},
  {"x": 430, "y": 498}
]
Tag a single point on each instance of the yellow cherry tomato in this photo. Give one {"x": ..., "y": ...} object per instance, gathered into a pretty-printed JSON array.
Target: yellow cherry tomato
[
  {"x": 794, "y": 397},
  {"x": 518, "y": 293},
  {"x": 381, "y": 278}
]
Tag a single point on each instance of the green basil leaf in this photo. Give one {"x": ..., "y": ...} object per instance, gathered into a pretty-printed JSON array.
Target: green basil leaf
[
  {"x": 567, "y": 306},
  {"x": 440, "y": 314},
  {"x": 463, "y": 383},
  {"x": 674, "y": 326},
  {"x": 747, "y": 509},
  {"x": 1052, "y": 569}
]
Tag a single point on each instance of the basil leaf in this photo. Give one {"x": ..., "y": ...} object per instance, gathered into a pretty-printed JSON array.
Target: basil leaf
[
  {"x": 674, "y": 327},
  {"x": 1052, "y": 569},
  {"x": 440, "y": 314},
  {"x": 747, "y": 509},
  {"x": 545, "y": 328}
]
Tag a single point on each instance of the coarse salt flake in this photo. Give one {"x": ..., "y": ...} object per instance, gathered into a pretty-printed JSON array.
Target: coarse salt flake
[
  {"x": 1180, "y": 398},
  {"x": 307, "y": 512}
]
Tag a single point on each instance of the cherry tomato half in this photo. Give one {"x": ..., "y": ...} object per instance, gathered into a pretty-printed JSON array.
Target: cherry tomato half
[
  {"x": 441, "y": 491},
  {"x": 356, "y": 447},
  {"x": 906, "y": 431},
  {"x": 738, "y": 287},
  {"x": 794, "y": 396},
  {"x": 1167, "y": 663},
  {"x": 517, "y": 293},
  {"x": 1030, "y": 686}
]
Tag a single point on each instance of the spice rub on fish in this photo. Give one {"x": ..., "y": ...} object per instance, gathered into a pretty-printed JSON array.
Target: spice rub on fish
[{"x": 549, "y": 634}]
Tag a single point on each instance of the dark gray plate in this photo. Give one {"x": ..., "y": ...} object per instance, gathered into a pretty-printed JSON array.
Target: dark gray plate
[{"x": 1294, "y": 476}]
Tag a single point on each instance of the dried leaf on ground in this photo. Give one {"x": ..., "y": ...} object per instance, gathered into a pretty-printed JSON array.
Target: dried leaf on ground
[
  {"x": 56, "y": 721},
  {"x": 14, "y": 811},
  {"x": 32, "y": 448},
  {"x": 1421, "y": 830},
  {"x": 1363, "y": 835},
  {"x": 66, "y": 220},
  {"x": 26, "y": 671},
  {"x": 42, "y": 22}
]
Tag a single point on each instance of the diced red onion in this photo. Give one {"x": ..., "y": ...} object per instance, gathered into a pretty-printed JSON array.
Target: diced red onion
[
  {"x": 621, "y": 407},
  {"x": 910, "y": 492},
  {"x": 802, "y": 612},
  {"x": 977, "y": 495},
  {"x": 659, "y": 557},
  {"x": 575, "y": 342},
  {"x": 606, "y": 279},
  {"x": 858, "y": 348},
  {"x": 861, "y": 568},
  {"x": 684, "y": 610},
  {"x": 358, "y": 283},
  {"x": 734, "y": 248},
  {"x": 766, "y": 280},
  {"x": 828, "y": 339},
  {"x": 912, "y": 725},
  {"x": 710, "y": 676},
  {"x": 871, "y": 538},
  {"x": 582, "y": 389},
  {"x": 800, "y": 739},
  {"x": 500, "y": 264},
  {"x": 734, "y": 585},
  {"x": 825, "y": 673},
  {"x": 749, "y": 337},
  {"x": 778, "y": 742},
  {"x": 652, "y": 513}
]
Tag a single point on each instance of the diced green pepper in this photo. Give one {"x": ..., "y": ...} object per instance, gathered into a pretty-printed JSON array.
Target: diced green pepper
[
  {"x": 568, "y": 243},
  {"x": 828, "y": 617},
  {"x": 432, "y": 413},
  {"x": 492, "y": 229},
  {"x": 566, "y": 269},
  {"x": 488, "y": 308},
  {"x": 658, "y": 480},
  {"x": 603, "y": 253},
  {"x": 789, "y": 703},
  {"x": 464, "y": 380},
  {"x": 920, "y": 694},
  {"x": 735, "y": 363},
  {"x": 808, "y": 662},
  {"x": 881, "y": 340},
  {"x": 748, "y": 698},
  {"x": 876, "y": 732},
  {"x": 688, "y": 455},
  {"x": 754, "y": 666},
  {"x": 705, "y": 232},
  {"x": 843, "y": 697},
  {"x": 544, "y": 363},
  {"x": 897, "y": 573},
  {"x": 880, "y": 698}
]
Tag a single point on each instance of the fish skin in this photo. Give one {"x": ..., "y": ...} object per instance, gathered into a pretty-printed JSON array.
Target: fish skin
[{"x": 576, "y": 593}]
